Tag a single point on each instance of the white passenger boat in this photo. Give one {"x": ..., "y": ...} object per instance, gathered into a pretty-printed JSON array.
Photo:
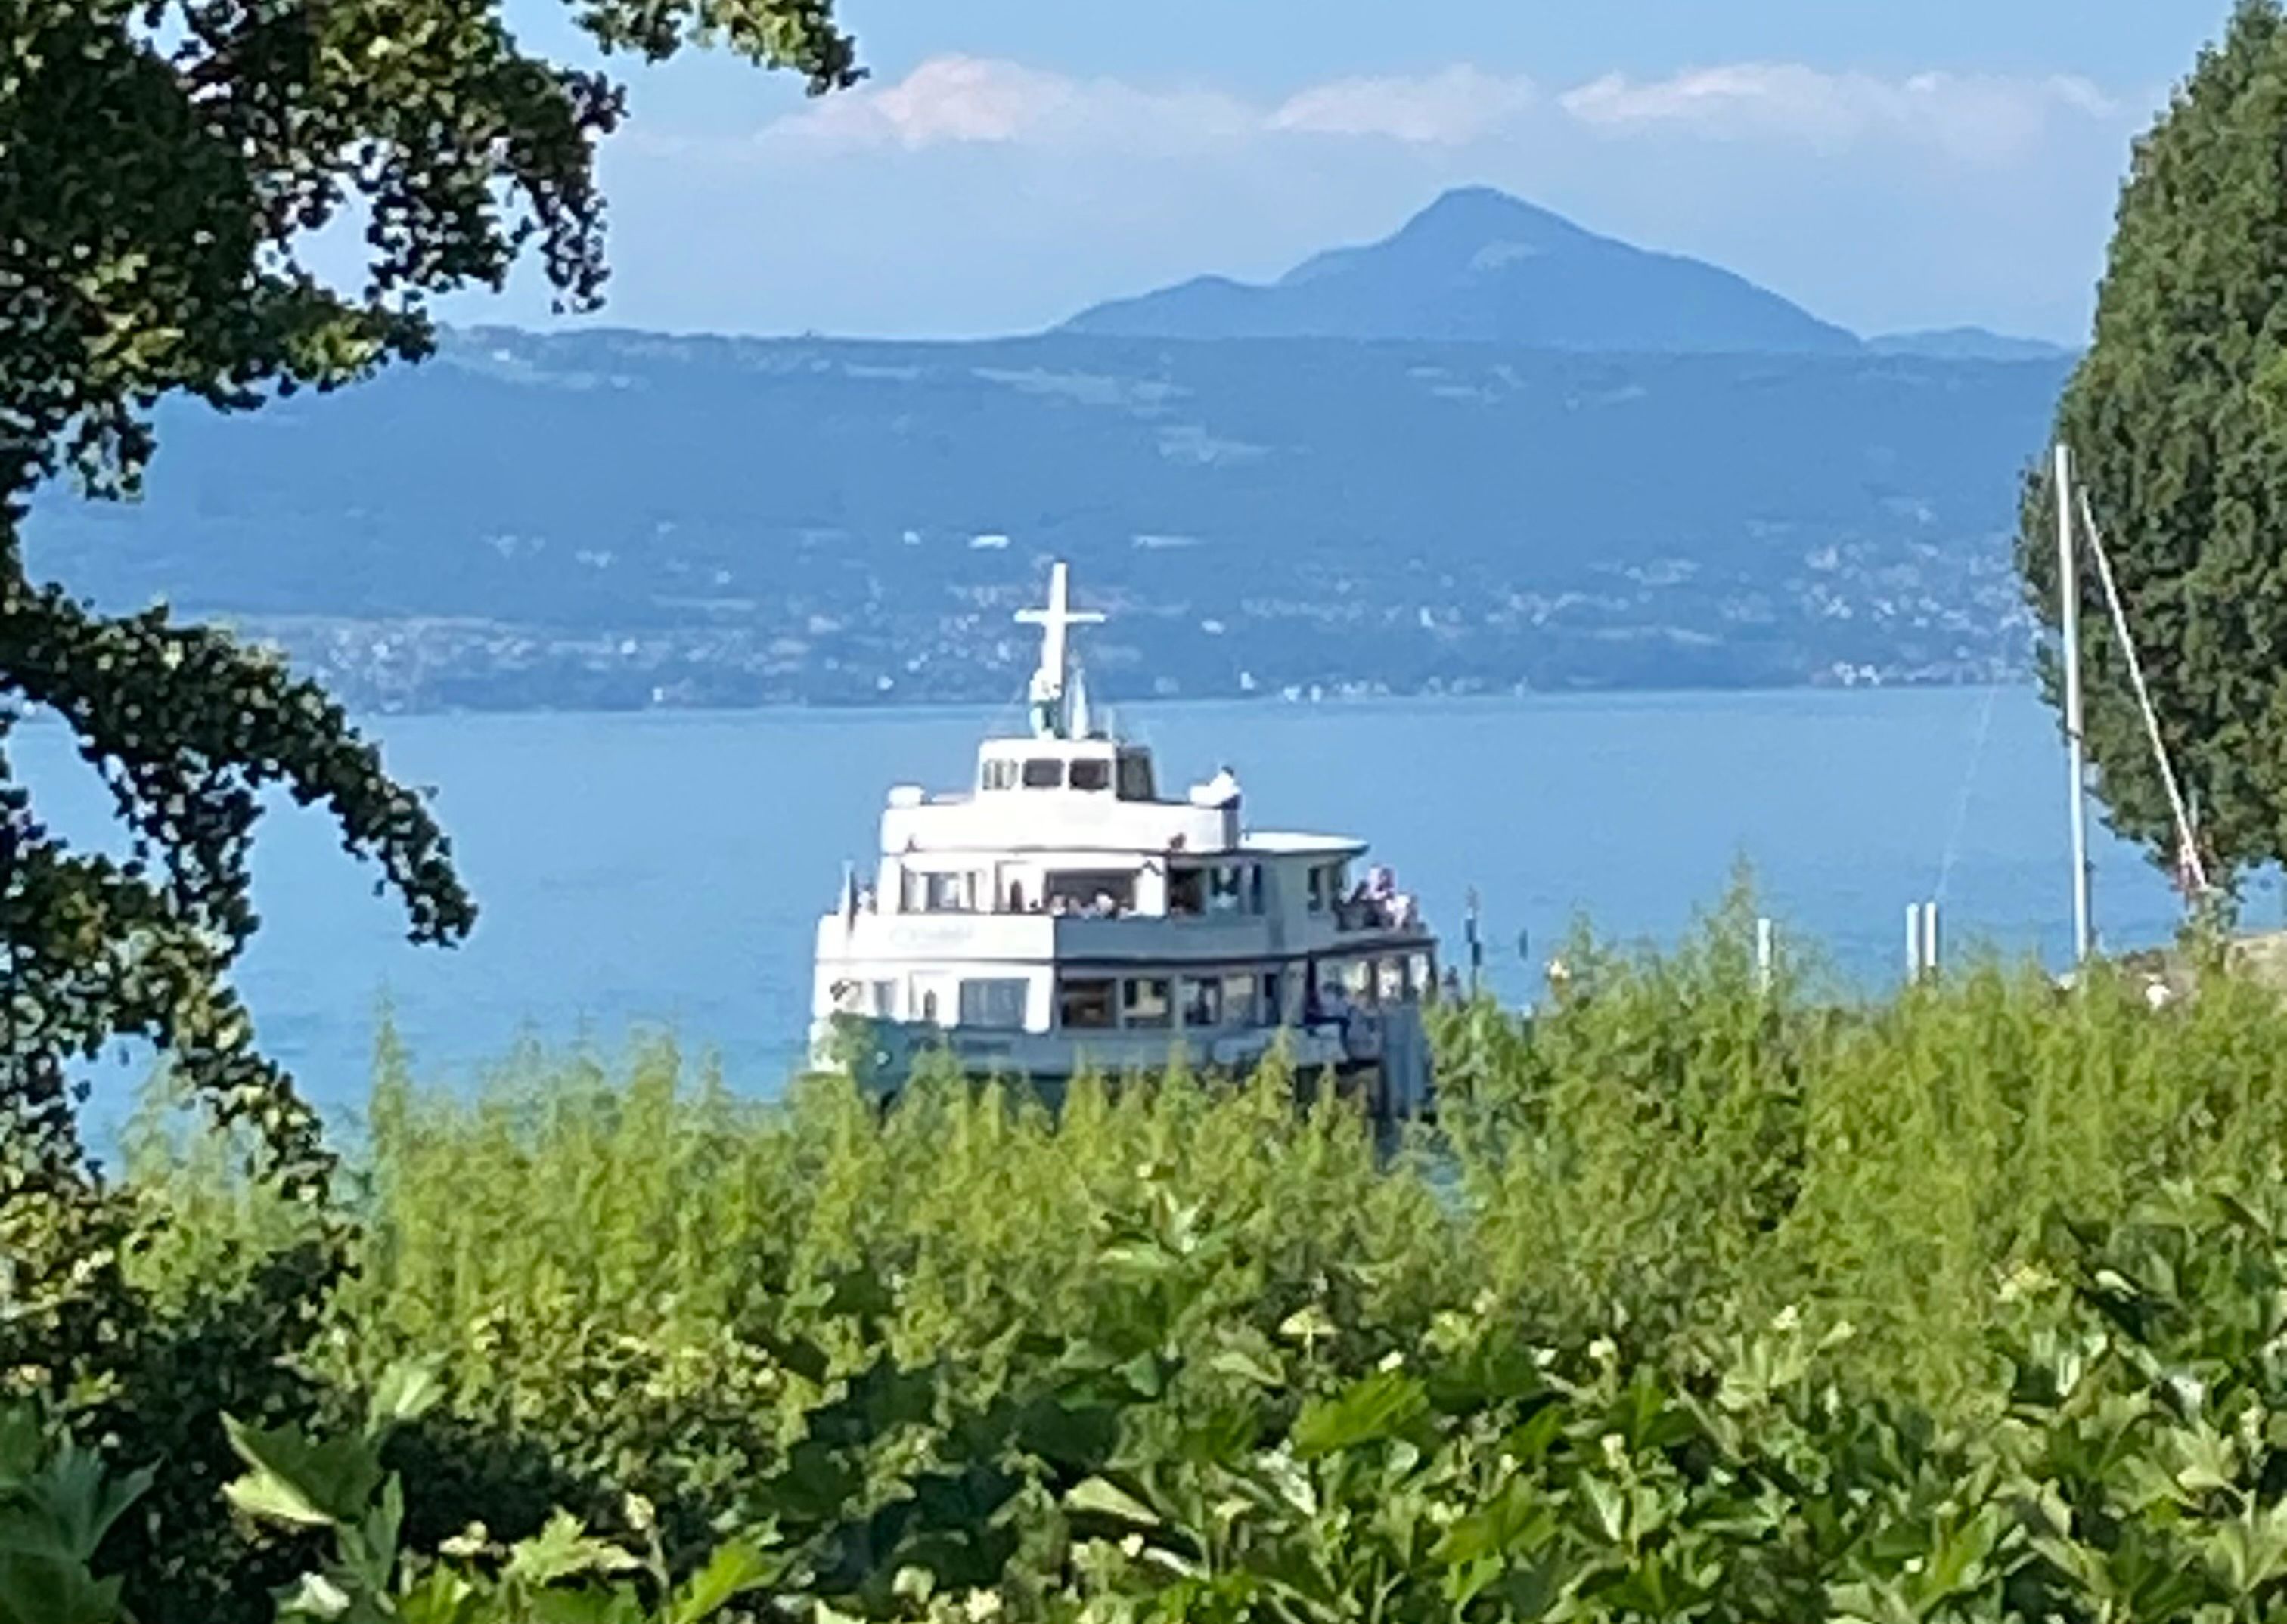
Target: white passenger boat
[{"x": 1061, "y": 916}]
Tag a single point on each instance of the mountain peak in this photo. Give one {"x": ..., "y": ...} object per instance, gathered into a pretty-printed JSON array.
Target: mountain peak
[
  {"x": 1478, "y": 264},
  {"x": 1488, "y": 209},
  {"x": 1468, "y": 231}
]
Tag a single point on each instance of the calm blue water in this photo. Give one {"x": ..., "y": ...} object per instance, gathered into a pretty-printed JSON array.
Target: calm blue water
[{"x": 665, "y": 870}]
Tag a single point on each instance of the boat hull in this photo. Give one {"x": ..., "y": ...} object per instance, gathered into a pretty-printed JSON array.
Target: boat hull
[{"x": 1383, "y": 1055}]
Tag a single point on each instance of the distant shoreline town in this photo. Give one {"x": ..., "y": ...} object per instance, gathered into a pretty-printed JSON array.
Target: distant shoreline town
[{"x": 435, "y": 665}]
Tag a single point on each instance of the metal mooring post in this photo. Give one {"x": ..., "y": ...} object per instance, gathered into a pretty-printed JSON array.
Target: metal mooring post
[
  {"x": 1476, "y": 945},
  {"x": 1922, "y": 940}
]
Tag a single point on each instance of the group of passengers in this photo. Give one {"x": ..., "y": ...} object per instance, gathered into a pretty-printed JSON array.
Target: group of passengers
[
  {"x": 1065, "y": 905},
  {"x": 1378, "y": 904}
]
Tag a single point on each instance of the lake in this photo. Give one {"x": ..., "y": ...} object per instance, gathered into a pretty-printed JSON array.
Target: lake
[{"x": 651, "y": 871}]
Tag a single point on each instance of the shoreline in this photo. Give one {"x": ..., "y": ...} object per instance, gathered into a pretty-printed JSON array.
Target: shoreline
[{"x": 1330, "y": 702}]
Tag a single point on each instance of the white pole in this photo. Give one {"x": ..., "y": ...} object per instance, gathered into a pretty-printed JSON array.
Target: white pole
[
  {"x": 1929, "y": 938},
  {"x": 1913, "y": 941},
  {"x": 2068, "y": 618},
  {"x": 1766, "y": 954}
]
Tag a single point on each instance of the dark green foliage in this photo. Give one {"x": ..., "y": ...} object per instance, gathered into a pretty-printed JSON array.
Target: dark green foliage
[
  {"x": 164, "y": 164},
  {"x": 58, "y": 1501},
  {"x": 2178, "y": 416}
]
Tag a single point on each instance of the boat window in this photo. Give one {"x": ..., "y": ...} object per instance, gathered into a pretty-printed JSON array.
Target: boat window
[
  {"x": 885, "y": 999},
  {"x": 948, "y": 893},
  {"x": 1202, "y": 1001},
  {"x": 1318, "y": 899},
  {"x": 998, "y": 774},
  {"x": 929, "y": 1007},
  {"x": 1227, "y": 888},
  {"x": 997, "y": 1005},
  {"x": 1085, "y": 1006},
  {"x": 1358, "y": 978},
  {"x": 1187, "y": 891},
  {"x": 1391, "y": 987},
  {"x": 1238, "y": 1000},
  {"x": 1044, "y": 772},
  {"x": 1254, "y": 887},
  {"x": 1273, "y": 1011},
  {"x": 1091, "y": 774},
  {"x": 1146, "y": 1001},
  {"x": 1135, "y": 775}
]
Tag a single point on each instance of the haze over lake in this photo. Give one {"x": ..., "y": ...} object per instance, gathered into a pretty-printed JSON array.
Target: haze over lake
[{"x": 667, "y": 869}]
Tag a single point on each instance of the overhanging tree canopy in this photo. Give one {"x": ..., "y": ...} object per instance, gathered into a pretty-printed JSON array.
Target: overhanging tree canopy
[
  {"x": 2177, "y": 419},
  {"x": 163, "y": 166}
]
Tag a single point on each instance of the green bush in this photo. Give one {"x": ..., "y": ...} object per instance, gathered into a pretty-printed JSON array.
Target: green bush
[{"x": 1703, "y": 1297}]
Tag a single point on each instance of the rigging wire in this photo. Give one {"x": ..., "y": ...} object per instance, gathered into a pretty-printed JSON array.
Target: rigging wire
[
  {"x": 2187, "y": 830},
  {"x": 1968, "y": 787}
]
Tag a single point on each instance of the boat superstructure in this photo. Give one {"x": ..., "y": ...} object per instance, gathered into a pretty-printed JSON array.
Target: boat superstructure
[{"x": 1061, "y": 915}]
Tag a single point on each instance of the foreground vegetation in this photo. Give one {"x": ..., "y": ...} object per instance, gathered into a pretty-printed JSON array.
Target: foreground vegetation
[
  {"x": 1705, "y": 1300},
  {"x": 1711, "y": 1301}
]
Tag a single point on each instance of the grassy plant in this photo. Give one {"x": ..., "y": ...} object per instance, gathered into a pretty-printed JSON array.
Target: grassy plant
[{"x": 903, "y": 1341}]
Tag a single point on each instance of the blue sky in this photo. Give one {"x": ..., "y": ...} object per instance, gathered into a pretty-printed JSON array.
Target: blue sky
[{"x": 1888, "y": 165}]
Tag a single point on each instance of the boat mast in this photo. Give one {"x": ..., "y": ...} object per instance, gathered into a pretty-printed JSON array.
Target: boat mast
[
  {"x": 1051, "y": 717},
  {"x": 2076, "y": 749}
]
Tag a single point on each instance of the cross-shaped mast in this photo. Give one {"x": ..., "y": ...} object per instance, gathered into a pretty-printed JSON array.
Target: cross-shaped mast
[{"x": 1055, "y": 623}]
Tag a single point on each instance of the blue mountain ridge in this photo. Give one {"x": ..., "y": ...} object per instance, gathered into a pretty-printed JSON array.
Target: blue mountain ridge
[
  {"x": 1479, "y": 266},
  {"x": 1606, "y": 469}
]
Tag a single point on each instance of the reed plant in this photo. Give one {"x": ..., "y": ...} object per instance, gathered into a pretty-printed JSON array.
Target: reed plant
[{"x": 847, "y": 1325}]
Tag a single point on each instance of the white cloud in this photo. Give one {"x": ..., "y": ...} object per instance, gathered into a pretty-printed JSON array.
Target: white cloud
[
  {"x": 974, "y": 195},
  {"x": 952, "y": 99},
  {"x": 1452, "y": 108},
  {"x": 968, "y": 100},
  {"x": 1969, "y": 117}
]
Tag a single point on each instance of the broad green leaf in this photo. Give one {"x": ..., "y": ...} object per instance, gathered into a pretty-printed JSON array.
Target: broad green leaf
[
  {"x": 563, "y": 1550},
  {"x": 406, "y": 1391},
  {"x": 296, "y": 1482},
  {"x": 1098, "y": 1496},
  {"x": 1366, "y": 1412},
  {"x": 734, "y": 1570}
]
